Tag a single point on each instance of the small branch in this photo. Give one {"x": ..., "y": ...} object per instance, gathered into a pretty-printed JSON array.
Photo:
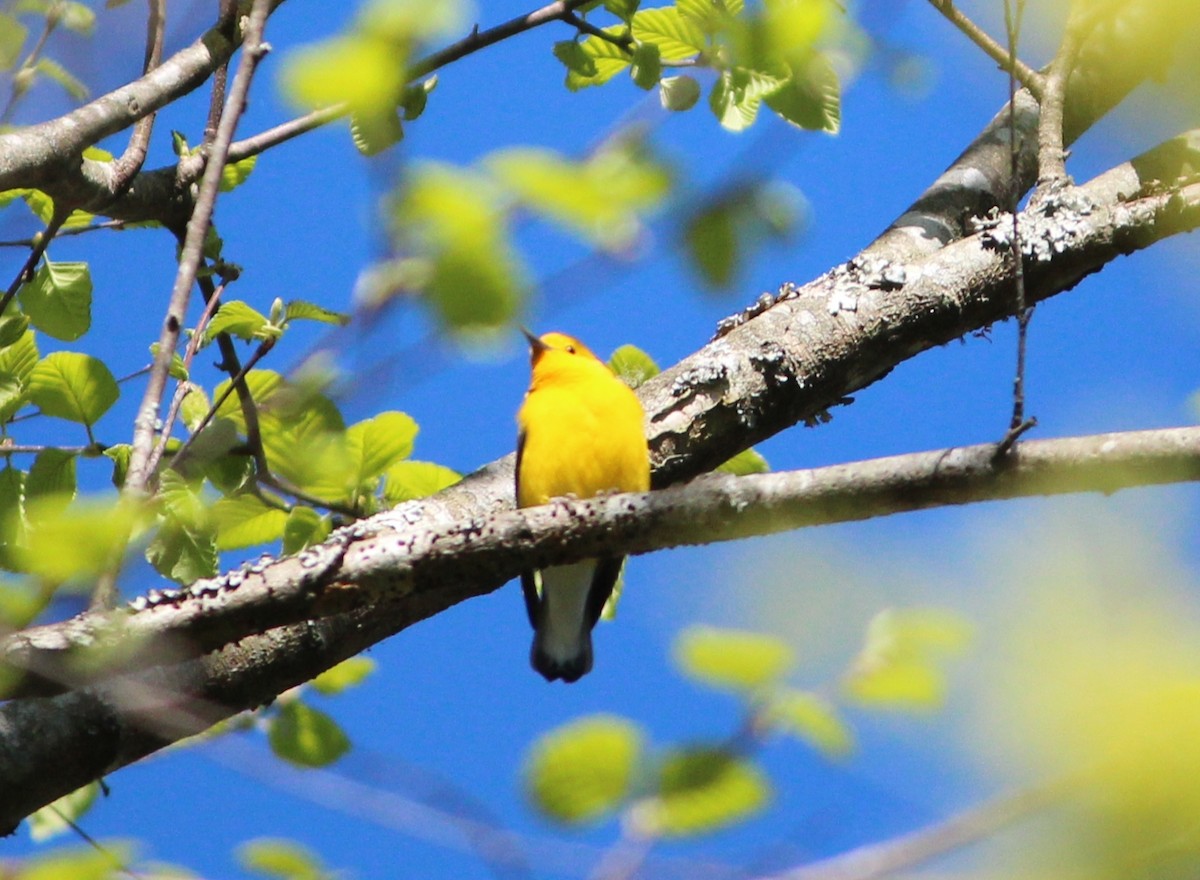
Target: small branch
[
  {"x": 63, "y": 233},
  {"x": 915, "y": 848},
  {"x": 20, "y": 84},
  {"x": 587, "y": 27},
  {"x": 8, "y": 448},
  {"x": 130, "y": 162},
  {"x": 61, "y": 213},
  {"x": 253, "y": 50},
  {"x": 1052, "y": 154},
  {"x": 1030, "y": 78}
]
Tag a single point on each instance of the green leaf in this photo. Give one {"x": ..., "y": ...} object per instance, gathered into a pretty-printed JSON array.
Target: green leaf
[
  {"x": 79, "y": 863},
  {"x": 575, "y": 58},
  {"x": 304, "y": 528},
  {"x": 77, "y": 542},
  {"x": 710, "y": 15},
  {"x": 306, "y": 736},
  {"x": 622, "y": 9},
  {"x": 184, "y": 553},
  {"x": 119, "y": 454},
  {"x": 811, "y": 718},
  {"x": 59, "y": 74},
  {"x": 284, "y": 859},
  {"x": 646, "y": 68},
  {"x": 12, "y": 396},
  {"x": 456, "y": 221},
  {"x": 678, "y": 93},
  {"x": 748, "y": 461},
  {"x": 73, "y": 386},
  {"x": 237, "y": 319},
  {"x": 12, "y": 39},
  {"x": 362, "y": 70},
  {"x": 234, "y": 174},
  {"x": 43, "y": 206},
  {"x": 53, "y": 819},
  {"x": 246, "y": 521},
  {"x": 409, "y": 480},
  {"x": 377, "y": 443},
  {"x": 896, "y": 668},
  {"x": 20, "y": 357},
  {"x": 601, "y": 198},
  {"x": 811, "y": 99},
  {"x": 52, "y": 473},
  {"x": 700, "y": 790},
  {"x": 12, "y": 326},
  {"x": 372, "y": 133},
  {"x": 176, "y": 369},
  {"x": 77, "y": 17},
  {"x": 632, "y": 365},
  {"x": 711, "y": 238},
  {"x": 300, "y": 310},
  {"x": 678, "y": 38},
  {"x": 737, "y": 95},
  {"x": 608, "y": 59},
  {"x": 347, "y": 674},
  {"x": 416, "y": 96},
  {"x": 732, "y": 660},
  {"x": 582, "y": 771}
]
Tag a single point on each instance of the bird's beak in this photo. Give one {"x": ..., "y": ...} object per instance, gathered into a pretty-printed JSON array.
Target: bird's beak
[{"x": 535, "y": 345}]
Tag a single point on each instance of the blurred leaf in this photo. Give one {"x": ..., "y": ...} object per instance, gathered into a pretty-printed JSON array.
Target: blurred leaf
[
  {"x": 895, "y": 667},
  {"x": 306, "y": 736},
  {"x": 262, "y": 385},
  {"x": 575, "y": 58},
  {"x": 811, "y": 99},
  {"x": 409, "y": 480},
  {"x": 362, "y": 70},
  {"x": 678, "y": 93},
  {"x": 600, "y": 198},
  {"x": 732, "y": 660},
  {"x": 59, "y": 299},
  {"x": 77, "y": 17},
  {"x": 632, "y": 365},
  {"x": 52, "y": 473},
  {"x": 74, "y": 543},
  {"x": 726, "y": 230},
  {"x": 473, "y": 279},
  {"x": 43, "y": 206},
  {"x": 622, "y": 9},
  {"x": 678, "y": 38},
  {"x": 737, "y": 95},
  {"x": 184, "y": 553},
  {"x": 176, "y": 369},
  {"x": 194, "y": 407},
  {"x": 608, "y": 59},
  {"x": 12, "y": 39},
  {"x": 237, "y": 319},
  {"x": 78, "y": 863},
  {"x": 246, "y": 521},
  {"x": 710, "y": 15},
  {"x": 748, "y": 461},
  {"x": 53, "y": 819},
  {"x": 646, "y": 68},
  {"x": 73, "y": 386},
  {"x": 12, "y": 326},
  {"x": 347, "y": 674},
  {"x": 583, "y": 770},
  {"x": 700, "y": 790},
  {"x": 299, "y": 310},
  {"x": 234, "y": 174},
  {"x": 811, "y": 718},
  {"x": 304, "y": 528},
  {"x": 712, "y": 243},
  {"x": 12, "y": 396},
  {"x": 59, "y": 74},
  {"x": 284, "y": 859}
]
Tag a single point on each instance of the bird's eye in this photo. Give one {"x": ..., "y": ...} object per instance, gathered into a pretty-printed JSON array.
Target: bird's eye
[{"x": 570, "y": 349}]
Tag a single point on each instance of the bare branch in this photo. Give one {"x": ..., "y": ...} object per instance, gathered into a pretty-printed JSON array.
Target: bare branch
[
  {"x": 1030, "y": 78},
  {"x": 130, "y": 162}
]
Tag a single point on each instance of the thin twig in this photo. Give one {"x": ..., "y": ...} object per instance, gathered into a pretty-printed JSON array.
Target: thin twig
[
  {"x": 1052, "y": 154},
  {"x": 1030, "y": 78},
  {"x": 7, "y": 449},
  {"x": 253, "y": 50},
  {"x": 63, "y": 233},
  {"x": 581, "y": 24},
  {"x": 61, "y": 213},
  {"x": 468, "y": 45},
  {"x": 20, "y": 81},
  {"x": 915, "y": 848},
  {"x": 130, "y": 162},
  {"x": 1017, "y": 424}
]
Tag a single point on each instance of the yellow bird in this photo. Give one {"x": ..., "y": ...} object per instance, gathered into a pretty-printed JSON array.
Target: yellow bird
[{"x": 581, "y": 435}]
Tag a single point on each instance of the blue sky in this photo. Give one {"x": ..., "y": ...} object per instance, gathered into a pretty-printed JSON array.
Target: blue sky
[{"x": 453, "y": 705}]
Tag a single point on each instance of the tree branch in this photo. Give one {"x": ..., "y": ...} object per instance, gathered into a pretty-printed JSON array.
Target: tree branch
[{"x": 1030, "y": 78}]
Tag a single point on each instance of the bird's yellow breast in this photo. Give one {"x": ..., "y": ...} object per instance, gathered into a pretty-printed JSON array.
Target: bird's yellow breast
[{"x": 581, "y": 433}]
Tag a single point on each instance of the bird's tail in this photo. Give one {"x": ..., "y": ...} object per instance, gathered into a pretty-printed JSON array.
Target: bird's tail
[{"x": 562, "y": 640}]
